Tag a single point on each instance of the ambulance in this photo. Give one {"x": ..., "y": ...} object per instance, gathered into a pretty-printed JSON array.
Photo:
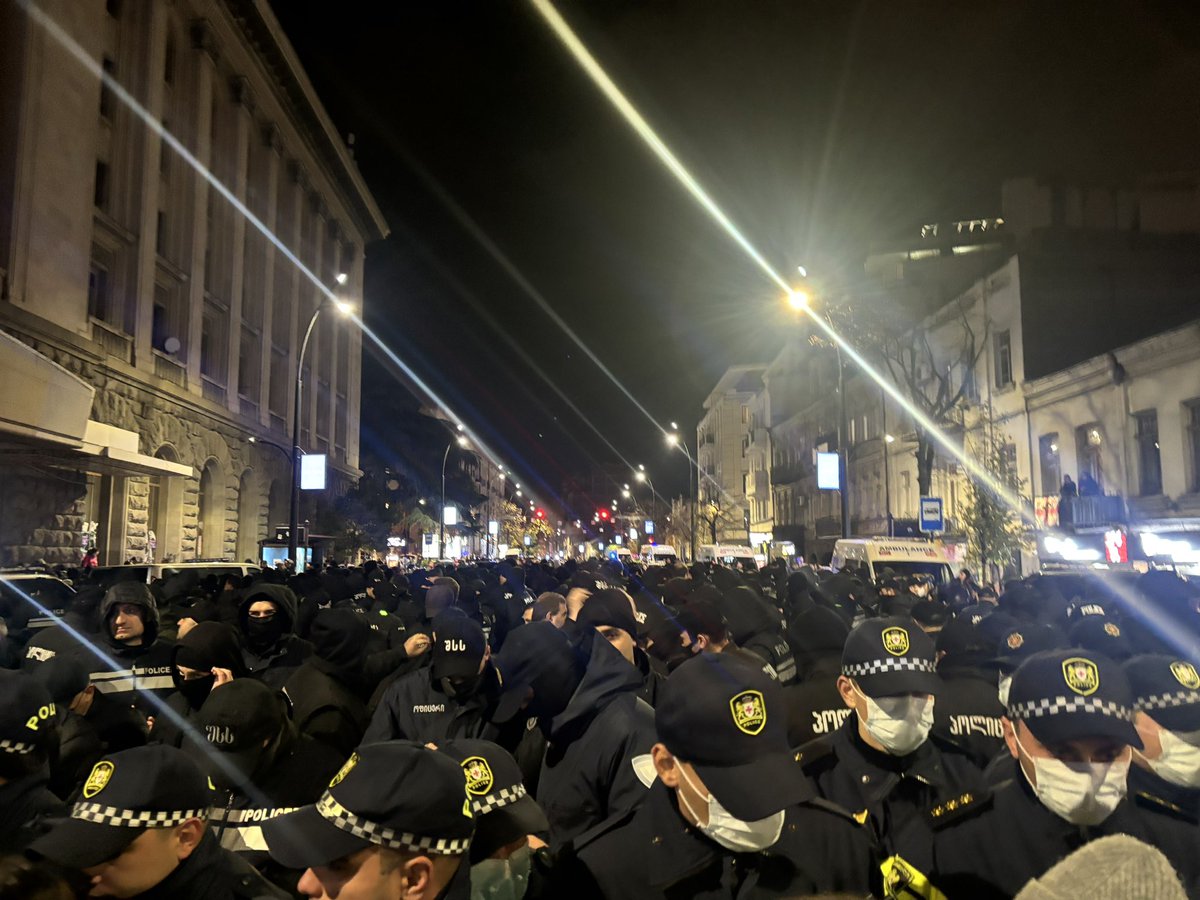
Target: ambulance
[{"x": 906, "y": 557}]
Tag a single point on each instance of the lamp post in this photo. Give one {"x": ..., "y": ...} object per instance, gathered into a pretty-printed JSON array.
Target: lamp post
[
  {"x": 887, "y": 462},
  {"x": 461, "y": 440},
  {"x": 294, "y": 513},
  {"x": 676, "y": 441}
]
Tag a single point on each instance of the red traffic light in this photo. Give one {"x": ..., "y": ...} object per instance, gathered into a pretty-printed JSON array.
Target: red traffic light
[
  {"x": 603, "y": 514},
  {"x": 540, "y": 513}
]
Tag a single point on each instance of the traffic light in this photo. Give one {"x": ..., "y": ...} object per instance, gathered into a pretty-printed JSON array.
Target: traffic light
[
  {"x": 603, "y": 514},
  {"x": 540, "y": 513}
]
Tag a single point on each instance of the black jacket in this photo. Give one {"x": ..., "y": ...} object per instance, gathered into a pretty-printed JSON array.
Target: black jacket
[
  {"x": 274, "y": 665},
  {"x": 587, "y": 774},
  {"x": 1150, "y": 785},
  {"x": 992, "y": 846},
  {"x": 326, "y": 707},
  {"x": 112, "y": 724},
  {"x": 815, "y": 708},
  {"x": 295, "y": 774},
  {"x": 652, "y": 853},
  {"x": 211, "y": 873},
  {"x": 897, "y": 791},
  {"x": 415, "y": 709},
  {"x": 137, "y": 672},
  {"x": 968, "y": 710},
  {"x": 25, "y": 804}
]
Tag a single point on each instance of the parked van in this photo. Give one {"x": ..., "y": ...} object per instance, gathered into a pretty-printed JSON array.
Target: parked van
[
  {"x": 904, "y": 556},
  {"x": 148, "y": 573},
  {"x": 732, "y": 555},
  {"x": 619, "y": 553},
  {"x": 658, "y": 554}
]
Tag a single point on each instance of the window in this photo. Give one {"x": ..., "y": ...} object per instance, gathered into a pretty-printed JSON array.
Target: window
[
  {"x": 1051, "y": 465},
  {"x": 248, "y": 364},
  {"x": 159, "y": 325},
  {"x": 1089, "y": 446},
  {"x": 164, "y": 153},
  {"x": 1149, "y": 460},
  {"x": 98, "y": 292},
  {"x": 100, "y": 190},
  {"x": 745, "y": 414},
  {"x": 108, "y": 100},
  {"x": 160, "y": 232},
  {"x": 1003, "y": 354},
  {"x": 1192, "y": 413}
]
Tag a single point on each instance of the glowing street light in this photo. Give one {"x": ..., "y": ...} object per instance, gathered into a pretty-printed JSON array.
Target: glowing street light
[
  {"x": 342, "y": 278},
  {"x": 798, "y": 300}
]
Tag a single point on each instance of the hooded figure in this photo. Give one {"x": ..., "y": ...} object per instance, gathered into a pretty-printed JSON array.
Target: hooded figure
[
  {"x": 584, "y": 697},
  {"x": 755, "y": 625},
  {"x": 129, "y": 628},
  {"x": 328, "y": 691},
  {"x": 814, "y": 706},
  {"x": 208, "y": 646},
  {"x": 267, "y": 620},
  {"x": 507, "y": 602}
]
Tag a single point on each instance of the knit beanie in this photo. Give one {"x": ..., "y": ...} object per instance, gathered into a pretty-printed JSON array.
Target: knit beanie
[{"x": 1117, "y": 867}]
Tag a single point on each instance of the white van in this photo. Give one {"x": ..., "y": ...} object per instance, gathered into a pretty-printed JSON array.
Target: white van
[
  {"x": 904, "y": 556},
  {"x": 731, "y": 555},
  {"x": 658, "y": 554},
  {"x": 619, "y": 553}
]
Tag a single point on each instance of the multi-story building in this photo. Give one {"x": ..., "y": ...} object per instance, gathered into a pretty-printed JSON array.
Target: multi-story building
[
  {"x": 722, "y": 442},
  {"x": 161, "y": 325}
]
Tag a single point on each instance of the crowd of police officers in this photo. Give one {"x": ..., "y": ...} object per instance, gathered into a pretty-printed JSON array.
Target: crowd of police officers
[{"x": 497, "y": 730}]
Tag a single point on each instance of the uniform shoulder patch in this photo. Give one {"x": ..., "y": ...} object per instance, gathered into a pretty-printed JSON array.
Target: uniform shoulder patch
[
  {"x": 954, "y": 809},
  {"x": 1166, "y": 807}
]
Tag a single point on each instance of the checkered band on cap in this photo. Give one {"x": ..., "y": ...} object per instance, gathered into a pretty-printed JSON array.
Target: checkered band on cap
[
  {"x": 340, "y": 817},
  {"x": 891, "y": 664},
  {"x": 99, "y": 814},
  {"x": 497, "y": 800},
  {"x": 1168, "y": 701},
  {"x": 1057, "y": 706},
  {"x": 19, "y": 747}
]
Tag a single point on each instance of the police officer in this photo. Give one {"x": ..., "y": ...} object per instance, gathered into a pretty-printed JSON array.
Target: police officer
[
  {"x": 28, "y": 736},
  {"x": 258, "y": 765},
  {"x": 446, "y": 698},
  {"x": 729, "y": 814},
  {"x": 140, "y": 659},
  {"x": 1071, "y": 737},
  {"x": 815, "y": 706},
  {"x": 883, "y": 762},
  {"x": 504, "y": 861},
  {"x": 139, "y": 829},
  {"x": 396, "y": 821},
  {"x": 1166, "y": 695},
  {"x": 968, "y": 709}
]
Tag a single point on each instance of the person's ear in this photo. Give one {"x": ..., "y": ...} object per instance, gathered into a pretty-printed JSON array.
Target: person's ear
[
  {"x": 664, "y": 765},
  {"x": 418, "y": 878},
  {"x": 187, "y": 837},
  {"x": 846, "y": 689}
]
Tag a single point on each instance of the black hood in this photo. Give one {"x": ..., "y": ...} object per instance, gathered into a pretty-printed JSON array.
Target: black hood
[
  {"x": 339, "y": 638},
  {"x": 208, "y": 645},
  {"x": 607, "y": 676},
  {"x": 136, "y": 593},
  {"x": 283, "y": 598}
]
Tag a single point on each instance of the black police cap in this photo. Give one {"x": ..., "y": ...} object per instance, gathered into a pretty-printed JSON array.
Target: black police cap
[
  {"x": 889, "y": 657},
  {"x": 1167, "y": 689}
]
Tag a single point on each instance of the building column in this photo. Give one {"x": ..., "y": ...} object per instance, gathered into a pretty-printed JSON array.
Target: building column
[
  {"x": 354, "y": 365},
  {"x": 147, "y": 217},
  {"x": 242, "y": 97},
  {"x": 336, "y": 324},
  {"x": 295, "y": 195},
  {"x": 206, "y": 62},
  {"x": 316, "y": 342},
  {"x": 274, "y": 144}
]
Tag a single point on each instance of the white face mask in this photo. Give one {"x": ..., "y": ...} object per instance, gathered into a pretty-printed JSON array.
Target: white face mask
[
  {"x": 1082, "y": 793},
  {"x": 1005, "y": 685},
  {"x": 502, "y": 879},
  {"x": 730, "y": 832},
  {"x": 900, "y": 724},
  {"x": 1179, "y": 762}
]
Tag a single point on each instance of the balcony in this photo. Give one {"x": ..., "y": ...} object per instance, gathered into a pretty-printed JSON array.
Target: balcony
[
  {"x": 114, "y": 341},
  {"x": 212, "y": 391},
  {"x": 1080, "y": 512},
  {"x": 790, "y": 473}
]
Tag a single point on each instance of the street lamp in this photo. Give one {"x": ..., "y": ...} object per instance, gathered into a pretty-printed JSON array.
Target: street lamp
[
  {"x": 461, "y": 440},
  {"x": 674, "y": 440},
  {"x": 294, "y": 513}
]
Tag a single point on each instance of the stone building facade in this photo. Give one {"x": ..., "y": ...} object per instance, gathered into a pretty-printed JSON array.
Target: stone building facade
[{"x": 148, "y": 142}]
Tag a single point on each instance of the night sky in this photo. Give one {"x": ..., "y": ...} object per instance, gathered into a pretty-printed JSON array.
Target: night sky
[{"x": 819, "y": 127}]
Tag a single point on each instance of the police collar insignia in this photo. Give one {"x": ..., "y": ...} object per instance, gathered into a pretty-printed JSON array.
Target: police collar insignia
[
  {"x": 344, "y": 770},
  {"x": 102, "y": 772},
  {"x": 749, "y": 712},
  {"x": 1185, "y": 674},
  {"x": 1111, "y": 629},
  {"x": 1015, "y": 640},
  {"x": 1081, "y": 675},
  {"x": 895, "y": 641},
  {"x": 479, "y": 775}
]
